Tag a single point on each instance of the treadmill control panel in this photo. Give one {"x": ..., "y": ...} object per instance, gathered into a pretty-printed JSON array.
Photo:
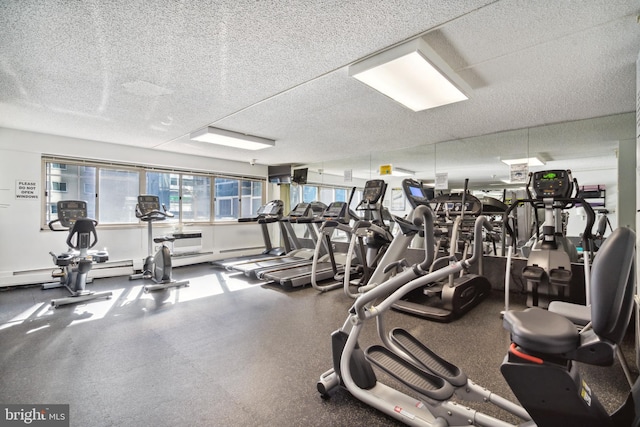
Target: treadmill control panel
[{"x": 373, "y": 191}]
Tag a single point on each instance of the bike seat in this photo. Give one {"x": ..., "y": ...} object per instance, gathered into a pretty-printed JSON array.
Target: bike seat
[{"x": 541, "y": 331}]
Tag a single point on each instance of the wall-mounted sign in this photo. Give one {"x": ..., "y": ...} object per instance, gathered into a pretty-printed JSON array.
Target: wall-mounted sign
[
  {"x": 519, "y": 172},
  {"x": 348, "y": 175},
  {"x": 27, "y": 190},
  {"x": 442, "y": 181},
  {"x": 385, "y": 170}
]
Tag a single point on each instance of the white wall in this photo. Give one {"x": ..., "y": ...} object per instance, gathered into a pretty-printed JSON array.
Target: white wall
[{"x": 25, "y": 247}]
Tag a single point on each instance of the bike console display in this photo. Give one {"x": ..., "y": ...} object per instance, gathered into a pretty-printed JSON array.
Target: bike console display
[
  {"x": 148, "y": 203},
  {"x": 70, "y": 210},
  {"x": 555, "y": 184}
]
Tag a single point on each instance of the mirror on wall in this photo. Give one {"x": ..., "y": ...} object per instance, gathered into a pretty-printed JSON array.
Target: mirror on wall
[{"x": 587, "y": 147}]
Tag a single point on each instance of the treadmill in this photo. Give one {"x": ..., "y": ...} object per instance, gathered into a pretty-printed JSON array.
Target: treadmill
[
  {"x": 338, "y": 213},
  {"x": 266, "y": 214},
  {"x": 302, "y": 213}
]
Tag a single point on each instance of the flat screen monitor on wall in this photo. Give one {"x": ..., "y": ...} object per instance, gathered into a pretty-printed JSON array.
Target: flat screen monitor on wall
[{"x": 300, "y": 176}]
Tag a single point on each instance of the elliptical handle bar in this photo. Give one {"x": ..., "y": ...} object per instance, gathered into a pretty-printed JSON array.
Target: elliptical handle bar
[
  {"x": 591, "y": 216},
  {"x": 422, "y": 215},
  {"x": 153, "y": 214}
]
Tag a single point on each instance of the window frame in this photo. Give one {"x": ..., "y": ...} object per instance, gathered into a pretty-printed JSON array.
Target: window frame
[{"x": 61, "y": 163}]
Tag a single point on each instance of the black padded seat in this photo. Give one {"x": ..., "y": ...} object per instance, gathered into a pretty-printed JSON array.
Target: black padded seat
[{"x": 541, "y": 331}]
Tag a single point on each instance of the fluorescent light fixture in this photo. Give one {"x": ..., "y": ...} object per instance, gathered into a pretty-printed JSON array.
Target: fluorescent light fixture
[
  {"x": 412, "y": 74},
  {"x": 402, "y": 172},
  {"x": 530, "y": 161},
  {"x": 397, "y": 172},
  {"x": 231, "y": 139}
]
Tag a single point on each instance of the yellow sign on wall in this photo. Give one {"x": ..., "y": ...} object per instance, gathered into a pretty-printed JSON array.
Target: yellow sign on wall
[{"x": 385, "y": 170}]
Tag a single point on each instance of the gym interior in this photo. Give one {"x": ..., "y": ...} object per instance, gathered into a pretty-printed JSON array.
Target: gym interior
[{"x": 209, "y": 207}]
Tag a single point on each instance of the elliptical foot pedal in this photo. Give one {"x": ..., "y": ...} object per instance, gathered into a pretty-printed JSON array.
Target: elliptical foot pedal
[
  {"x": 409, "y": 374},
  {"x": 427, "y": 358},
  {"x": 533, "y": 273},
  {"x": 560, "y": 277}
]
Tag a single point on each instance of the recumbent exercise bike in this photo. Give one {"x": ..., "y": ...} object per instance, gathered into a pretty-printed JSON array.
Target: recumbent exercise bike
[{"x": 75, "y": 264}]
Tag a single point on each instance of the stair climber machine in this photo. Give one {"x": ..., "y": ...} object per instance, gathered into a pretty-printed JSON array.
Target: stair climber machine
[
  {"x": 325, "y": 263},
  {"x": 548, "y": 271},
  {"x": 157, "y": 267},
  {"x": 266, "y": 214},
  {"x": 448, "y": 300},
  {"x": 539, "y": 366},
  {"x": 75, "y": 264},
  {"x": 303, "y": 213},
  {"x": 370, "y": 238}
]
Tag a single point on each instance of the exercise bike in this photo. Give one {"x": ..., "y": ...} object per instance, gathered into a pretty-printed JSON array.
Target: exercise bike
[
  {"x": 539, "y": 366},
  {"x": 75, "y": 264},
  {"x": 156, "y": 267}
]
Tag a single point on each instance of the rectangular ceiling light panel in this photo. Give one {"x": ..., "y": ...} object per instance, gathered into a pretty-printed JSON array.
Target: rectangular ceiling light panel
[
  {"x": 530, "y": 161},
  {"x": 231, "y": 139},
  {"x": 413, "y": 75}
]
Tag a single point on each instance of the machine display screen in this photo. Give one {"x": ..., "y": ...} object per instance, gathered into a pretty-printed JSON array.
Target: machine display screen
[
  {"x": 148, "y": 203},
  {"x": 416, "y": 192}
]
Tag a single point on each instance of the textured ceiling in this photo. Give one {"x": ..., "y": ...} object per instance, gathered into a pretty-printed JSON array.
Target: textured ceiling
[{"x": 148, "y": 73}]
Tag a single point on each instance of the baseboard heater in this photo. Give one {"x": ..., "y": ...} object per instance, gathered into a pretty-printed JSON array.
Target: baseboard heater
[{"x": 187, "y": 243}]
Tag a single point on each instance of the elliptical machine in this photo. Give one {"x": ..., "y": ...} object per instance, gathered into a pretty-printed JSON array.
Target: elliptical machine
[
  {"x": 548, "y": 271},
  {"x": 156, "y": 267},
  {"x": 75, "y": 264},
  {"x": 539, "y": 367}
]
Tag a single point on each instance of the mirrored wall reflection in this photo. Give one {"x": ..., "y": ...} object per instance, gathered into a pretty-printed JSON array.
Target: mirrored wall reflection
[{"x": 587, "y": 147}]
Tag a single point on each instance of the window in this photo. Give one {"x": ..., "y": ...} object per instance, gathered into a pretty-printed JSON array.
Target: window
[
  {"x": 251, "y": 198},
  {"x": 111, "y": 192},
  {"x": 340, "y": 195},
  {"x": 68, "y": 182},
  {"x": 60, "y": 187},
  {"x": 118, "y": 195},
  {"x": 227, "y": 199},
  {"x": 309, "y": 193},
  {"x": 165, "y": 186},
  {"x": 196, "y": 198}
]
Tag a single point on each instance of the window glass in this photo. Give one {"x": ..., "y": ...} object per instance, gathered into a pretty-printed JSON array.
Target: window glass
[
  {"x": 251, "y": 198},
  {"x": 165, "y": 186},
  {"x": 112, "y": 192},
  {"x": 341, "y": 195},
  {"x": 69, "y": 182},
  {"x": 294, "y": 195},
  {"x": 196, "y": 198},
  {"x": 226, "y": 199},
  {"x": 118, "y": 195},
  {"x": 326, "y": 195},
  {"x": 309, "y": 193}
]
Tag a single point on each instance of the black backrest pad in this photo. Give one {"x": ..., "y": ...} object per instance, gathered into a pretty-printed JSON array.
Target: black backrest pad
[
  {"x": 86, "y": 227},
  {"x": 612, "y": 285}
]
